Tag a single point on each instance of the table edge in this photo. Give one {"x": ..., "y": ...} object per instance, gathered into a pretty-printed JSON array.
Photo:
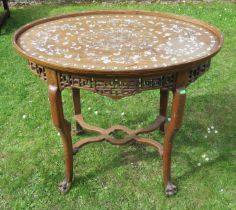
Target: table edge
[{"x": 176, "y": 67}]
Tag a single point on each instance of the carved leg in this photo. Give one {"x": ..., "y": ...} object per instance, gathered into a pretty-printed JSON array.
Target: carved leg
[
  {"x": 164, "y": 93},
  {"x": 64, "y": 128},
  {"x": 77, "y": 108},
  {"x": 175, "y": 123}
]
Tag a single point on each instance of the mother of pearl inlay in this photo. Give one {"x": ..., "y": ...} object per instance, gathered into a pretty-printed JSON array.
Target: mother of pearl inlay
[{"x": 117, "y": 41}]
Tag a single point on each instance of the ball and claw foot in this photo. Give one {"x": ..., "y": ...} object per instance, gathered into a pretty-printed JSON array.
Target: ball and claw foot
[
  {"x": 171, "y": 189},
  {"x": 64, "y": 186}
]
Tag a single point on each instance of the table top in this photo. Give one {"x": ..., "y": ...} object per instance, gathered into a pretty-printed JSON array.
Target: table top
[{"x": 122, "y": 42}]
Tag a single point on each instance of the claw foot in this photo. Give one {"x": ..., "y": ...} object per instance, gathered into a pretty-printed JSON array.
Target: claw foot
[
  {"x": 171, "y": 189},
  {"x": 64, "y": 186}
]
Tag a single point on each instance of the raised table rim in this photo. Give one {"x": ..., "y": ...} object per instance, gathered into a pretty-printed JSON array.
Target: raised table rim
[{"x": 168, "y": 69}]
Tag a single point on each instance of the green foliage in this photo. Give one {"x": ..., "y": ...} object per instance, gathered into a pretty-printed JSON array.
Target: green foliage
[{"x": 112, "y": 177}]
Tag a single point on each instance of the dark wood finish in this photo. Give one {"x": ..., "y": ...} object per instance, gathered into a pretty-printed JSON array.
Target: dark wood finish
[
  {"x": 116, "y": 81},
  {"x": 6, "y": 13}
]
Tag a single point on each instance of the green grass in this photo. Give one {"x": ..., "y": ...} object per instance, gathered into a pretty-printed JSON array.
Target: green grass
[{"x": 112, "y": 177}]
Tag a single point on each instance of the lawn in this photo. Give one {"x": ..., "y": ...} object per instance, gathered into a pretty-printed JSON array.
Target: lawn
[{"x": 125, "y": 177}]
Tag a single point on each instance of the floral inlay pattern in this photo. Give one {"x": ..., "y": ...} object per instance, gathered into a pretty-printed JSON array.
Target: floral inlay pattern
[{"x": 117, "y": 42}]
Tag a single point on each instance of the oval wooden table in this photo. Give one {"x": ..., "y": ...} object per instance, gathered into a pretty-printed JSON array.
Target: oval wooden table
[{"x": 118, "y": 54}]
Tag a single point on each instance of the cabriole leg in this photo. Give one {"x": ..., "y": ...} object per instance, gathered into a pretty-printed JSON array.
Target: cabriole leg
[
  {"x": 179, "y": 97},
  {"x": 63, "y": 126}
]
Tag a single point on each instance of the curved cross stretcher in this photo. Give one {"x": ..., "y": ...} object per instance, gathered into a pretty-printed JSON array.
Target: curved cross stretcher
[{"x": 105, "y": 134}]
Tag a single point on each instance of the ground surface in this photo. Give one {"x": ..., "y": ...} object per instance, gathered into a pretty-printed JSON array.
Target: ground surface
[{"x": 111, "y": 177}]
